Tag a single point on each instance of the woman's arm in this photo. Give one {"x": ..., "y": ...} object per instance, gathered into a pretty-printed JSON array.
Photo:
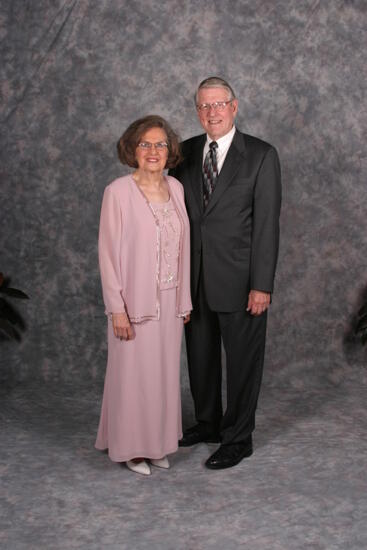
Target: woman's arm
[{"x": 109, "y": 249}]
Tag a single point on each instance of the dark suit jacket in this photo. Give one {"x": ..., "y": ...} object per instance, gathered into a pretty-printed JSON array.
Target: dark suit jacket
[{"x": 235, "y": 241}]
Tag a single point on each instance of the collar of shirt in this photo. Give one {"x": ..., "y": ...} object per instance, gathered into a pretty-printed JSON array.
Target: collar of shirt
[{"x": 224, "y": 144}]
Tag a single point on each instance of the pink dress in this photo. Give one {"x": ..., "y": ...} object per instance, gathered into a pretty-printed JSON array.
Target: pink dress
[{"x": 141, "y": 408}]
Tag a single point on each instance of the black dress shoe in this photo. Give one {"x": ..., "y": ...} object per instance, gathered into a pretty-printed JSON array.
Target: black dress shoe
[
  {"x": 195, "y": 435},
  {"x": 229, "y": 455}
]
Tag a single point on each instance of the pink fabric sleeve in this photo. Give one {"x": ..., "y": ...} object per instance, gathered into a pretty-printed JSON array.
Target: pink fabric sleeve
[{"x": 109, "y": 248}]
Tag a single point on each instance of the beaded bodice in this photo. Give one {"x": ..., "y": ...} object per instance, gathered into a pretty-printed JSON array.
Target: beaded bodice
[{"x": 170, "y": 230}]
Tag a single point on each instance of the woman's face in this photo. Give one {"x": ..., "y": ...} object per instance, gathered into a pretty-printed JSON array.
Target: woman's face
[{"x": 152, "y": 150}]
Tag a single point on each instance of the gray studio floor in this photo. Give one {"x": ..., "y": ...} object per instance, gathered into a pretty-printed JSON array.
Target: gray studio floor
[{"x": 304, "y": 487}]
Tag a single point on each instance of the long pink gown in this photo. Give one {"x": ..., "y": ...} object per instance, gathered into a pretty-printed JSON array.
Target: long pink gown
[{"x": 141, "y": 407}]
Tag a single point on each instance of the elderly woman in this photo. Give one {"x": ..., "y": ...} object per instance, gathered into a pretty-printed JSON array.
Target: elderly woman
[{"x": 144, "y": 265}]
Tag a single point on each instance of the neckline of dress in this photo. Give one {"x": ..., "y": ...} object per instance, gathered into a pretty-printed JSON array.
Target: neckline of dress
[
  {"x": 145, "y": 197},
  {"x": 160, "y": 203}
]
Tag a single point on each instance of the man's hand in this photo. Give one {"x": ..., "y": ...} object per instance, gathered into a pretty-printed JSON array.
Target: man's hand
[
  {"x": 121, "y": 326},
  {"x": 258, "y": 302},
  {"x": 186, "y": 318}
]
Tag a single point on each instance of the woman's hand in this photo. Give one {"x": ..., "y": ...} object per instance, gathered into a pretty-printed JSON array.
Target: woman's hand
[
  {"x": 186, "y": 318},
  {"x": 121, "y": 326}
]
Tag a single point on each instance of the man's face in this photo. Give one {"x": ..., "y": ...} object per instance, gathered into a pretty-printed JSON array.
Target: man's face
[{"x": 217, "y": 123}]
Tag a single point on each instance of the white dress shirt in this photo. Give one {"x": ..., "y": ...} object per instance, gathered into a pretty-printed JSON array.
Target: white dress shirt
[{"x": 224, "y": 144}]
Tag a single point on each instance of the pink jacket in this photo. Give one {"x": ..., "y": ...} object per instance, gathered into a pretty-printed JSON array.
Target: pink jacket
[{"x": 129, "y": 246}]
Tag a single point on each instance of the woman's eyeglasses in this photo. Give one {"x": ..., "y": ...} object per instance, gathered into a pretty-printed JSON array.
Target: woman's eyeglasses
[{"x": 160, "y": 146}]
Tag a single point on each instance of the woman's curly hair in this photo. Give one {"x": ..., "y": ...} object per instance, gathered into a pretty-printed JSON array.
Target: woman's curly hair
[{"x": 128, "y": 142}]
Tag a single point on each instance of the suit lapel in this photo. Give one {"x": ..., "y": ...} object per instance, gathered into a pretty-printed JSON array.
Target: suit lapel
[
  {"x": 235, "y": 156},
  {"x": 196, "y": 180}
]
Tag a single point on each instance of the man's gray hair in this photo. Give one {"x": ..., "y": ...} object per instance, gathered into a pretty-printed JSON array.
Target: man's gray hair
[{"x": 215, "y": 82}]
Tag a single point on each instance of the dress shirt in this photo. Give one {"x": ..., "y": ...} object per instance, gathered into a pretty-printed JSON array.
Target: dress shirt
[{"x": 224, "y": 144}]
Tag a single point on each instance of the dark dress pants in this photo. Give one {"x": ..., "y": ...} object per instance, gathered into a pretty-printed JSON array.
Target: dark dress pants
[{"x": 243, "y": 337}]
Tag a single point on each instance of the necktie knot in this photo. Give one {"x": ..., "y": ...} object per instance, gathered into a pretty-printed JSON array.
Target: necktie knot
[{"x": 213, "y": 145}]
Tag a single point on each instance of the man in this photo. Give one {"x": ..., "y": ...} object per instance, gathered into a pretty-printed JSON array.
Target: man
[{"x": 233, "y": 194}]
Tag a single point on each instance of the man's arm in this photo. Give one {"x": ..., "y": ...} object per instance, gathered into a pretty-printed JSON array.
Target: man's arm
[{"x": 265, "y": 233}]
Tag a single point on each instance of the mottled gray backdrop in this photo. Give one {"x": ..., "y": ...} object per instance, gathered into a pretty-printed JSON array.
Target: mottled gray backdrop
[{"x": 75, "y": 73}]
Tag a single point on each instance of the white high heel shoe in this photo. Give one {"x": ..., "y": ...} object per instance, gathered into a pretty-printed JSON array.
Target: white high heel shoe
[
  {"x": 160, "y": 462},
  {"x": 139, "y": 467}
]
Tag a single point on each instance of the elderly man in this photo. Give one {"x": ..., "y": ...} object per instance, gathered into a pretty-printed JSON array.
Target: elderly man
[{"x": 233, "y": 194}]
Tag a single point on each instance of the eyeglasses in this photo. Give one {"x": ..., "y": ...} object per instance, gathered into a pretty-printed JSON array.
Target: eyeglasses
[
  {"x": 160, "y": 146},
  {"x": 217, "y": 106}
]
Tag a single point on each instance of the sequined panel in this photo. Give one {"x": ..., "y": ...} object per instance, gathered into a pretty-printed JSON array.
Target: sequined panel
[{"x": 170, "y": 228}]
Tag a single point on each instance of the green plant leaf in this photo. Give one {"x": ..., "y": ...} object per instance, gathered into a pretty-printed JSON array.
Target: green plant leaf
[
  {"x": 363, "y": 310},
  {"x": 362, "y": 324},
  {"x": 9, "y": 313},
  {"x": 7, "y": 330},
  {"x": 15, "y": 293},
  {"x": 4, "y": 282}
]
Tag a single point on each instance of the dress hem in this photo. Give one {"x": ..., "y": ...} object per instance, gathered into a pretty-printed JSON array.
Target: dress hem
[{"x": 130, "y": 456}]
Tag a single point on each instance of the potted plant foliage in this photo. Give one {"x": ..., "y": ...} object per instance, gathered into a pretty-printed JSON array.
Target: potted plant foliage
[
  {"x": 361, "y": 327},
  {"x": 11, "y": 322}
]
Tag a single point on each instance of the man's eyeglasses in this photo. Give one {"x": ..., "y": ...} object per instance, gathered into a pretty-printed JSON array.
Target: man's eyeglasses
[
  {"x": 160, "y": 146},
  {"x": 217, "y": 106}
]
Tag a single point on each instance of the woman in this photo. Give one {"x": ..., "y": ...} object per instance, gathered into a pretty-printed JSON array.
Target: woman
[{"x": 144, "y": 265}]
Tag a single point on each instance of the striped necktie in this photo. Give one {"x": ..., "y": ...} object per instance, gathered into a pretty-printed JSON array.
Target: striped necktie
[{"x": 210, "y": 172}]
